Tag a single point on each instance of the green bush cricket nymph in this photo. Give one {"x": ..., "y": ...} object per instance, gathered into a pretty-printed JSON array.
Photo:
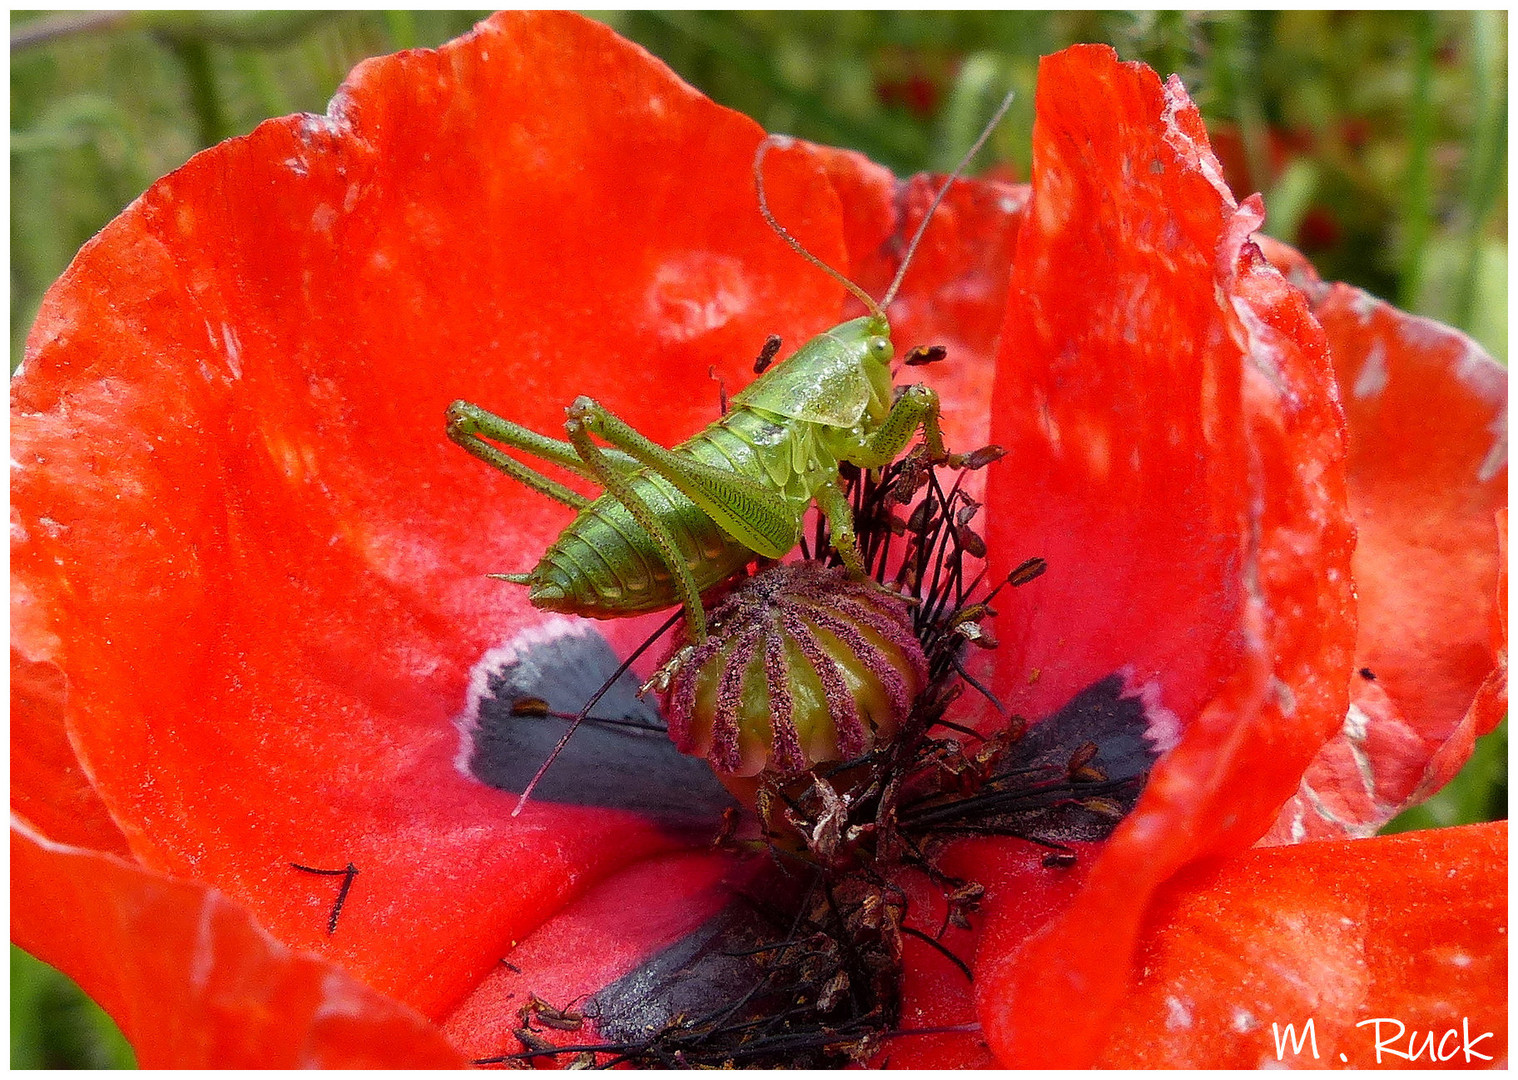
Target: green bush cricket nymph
[{"x": 674, "y": 522}]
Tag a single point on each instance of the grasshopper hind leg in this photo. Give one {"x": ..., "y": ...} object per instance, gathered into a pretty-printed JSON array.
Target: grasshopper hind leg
[
  {"x": 585, "y": 415},
  {"x": 468, "y": 423}
]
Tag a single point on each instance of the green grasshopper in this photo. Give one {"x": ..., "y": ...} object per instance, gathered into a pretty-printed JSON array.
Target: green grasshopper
[{"x": 673, "y": 523}]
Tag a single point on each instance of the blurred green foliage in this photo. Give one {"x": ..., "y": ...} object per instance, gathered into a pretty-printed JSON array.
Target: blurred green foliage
[
  {"x": 1378, "y": 138},
  {"x": 1479, "y": 793},
  {"x": 54, "y": 1026}
]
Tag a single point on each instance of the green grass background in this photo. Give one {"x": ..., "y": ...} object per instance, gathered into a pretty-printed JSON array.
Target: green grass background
[{"x": 1378, "y": 138}]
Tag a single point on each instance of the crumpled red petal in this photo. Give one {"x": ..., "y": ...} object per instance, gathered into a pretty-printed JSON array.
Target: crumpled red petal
[
  {"x": 262, "y": 564},
  {"x": 193, "y": 981},
  {"x": 1412, "y": 928},
  {"x": 1169, "y": 408},
  {"x": 1427, "y": 411}
]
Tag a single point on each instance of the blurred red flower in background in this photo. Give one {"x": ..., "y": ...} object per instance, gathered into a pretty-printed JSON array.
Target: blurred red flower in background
[{"x": 250, "y": 623}]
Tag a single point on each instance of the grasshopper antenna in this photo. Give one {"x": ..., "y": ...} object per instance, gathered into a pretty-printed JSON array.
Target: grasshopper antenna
[
  {"x": 796, "y": 245},
  {"x": 964, "y": 163},
  {"x": 764, "y": 208}
]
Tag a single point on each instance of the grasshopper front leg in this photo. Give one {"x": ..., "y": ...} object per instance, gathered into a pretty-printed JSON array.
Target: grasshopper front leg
[
  {"x": 916, "y": 407},
  {"x": 834, "y": 505}
]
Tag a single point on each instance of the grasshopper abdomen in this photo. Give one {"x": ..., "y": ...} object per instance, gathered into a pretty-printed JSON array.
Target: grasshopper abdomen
[{"x": 605, "y": 566}]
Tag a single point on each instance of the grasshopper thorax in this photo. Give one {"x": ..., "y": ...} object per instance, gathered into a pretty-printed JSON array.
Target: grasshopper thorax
[{"x": 837, "y": 379}]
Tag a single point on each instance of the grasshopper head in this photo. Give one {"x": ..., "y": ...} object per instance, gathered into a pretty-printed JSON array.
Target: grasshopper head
[
  {"x": 866, "y": 341},
  {"x": 877, "y": 340},
  {"x": 877, "y": 352}
]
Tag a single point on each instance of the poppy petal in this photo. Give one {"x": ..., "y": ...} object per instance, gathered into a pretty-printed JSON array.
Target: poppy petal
[
  {"x": 592, "y": 944},
  {"x": 1167, "y": 399},
  {"x": 48, "y": 789},
  {"x": 263, "y": 563},
  {"x": 1427, "y": 411},
  {"x": 1411, "y": 929},
  {"x": 193, "y": 981},
  {"x": 935, "y": 994}
]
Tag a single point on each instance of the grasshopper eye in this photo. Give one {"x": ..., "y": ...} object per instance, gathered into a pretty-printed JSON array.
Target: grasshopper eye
[{"x": 880, "y": 348}]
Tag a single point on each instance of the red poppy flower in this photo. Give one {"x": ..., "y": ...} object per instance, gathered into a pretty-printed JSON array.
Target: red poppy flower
[{"x": 253, "y": 639}]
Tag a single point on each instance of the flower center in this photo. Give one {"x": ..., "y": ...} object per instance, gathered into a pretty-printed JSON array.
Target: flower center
[{"x": 820, "y": 701}]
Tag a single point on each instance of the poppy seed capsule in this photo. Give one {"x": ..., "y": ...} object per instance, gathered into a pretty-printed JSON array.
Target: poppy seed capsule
[{"x": 802, "y": 666}]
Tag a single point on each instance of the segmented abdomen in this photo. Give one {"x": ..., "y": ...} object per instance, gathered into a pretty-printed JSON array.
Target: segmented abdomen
[{"x": 606, "y": 565}]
